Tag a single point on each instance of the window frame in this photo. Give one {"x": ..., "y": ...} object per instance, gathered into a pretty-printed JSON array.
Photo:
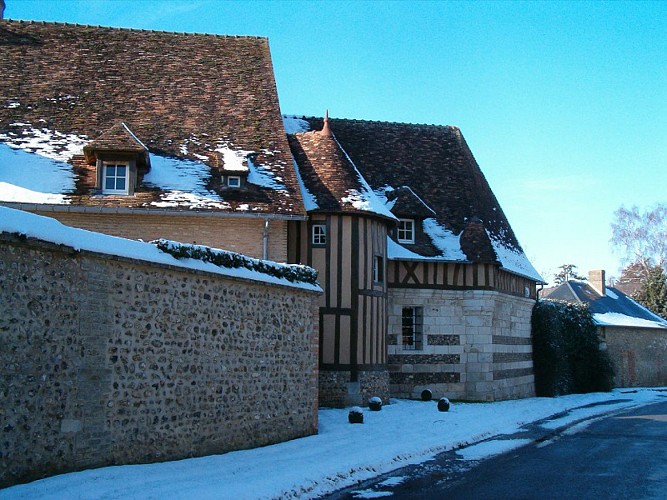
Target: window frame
[
  {"x": 405, "y": 232},
  {"x": 237, "y": 178},
  {"x": 115, "y": 164},
  {"x": 318, "y": 234},
  {"x": 412, "y": 328},
  {"x": 378, "y": 269}
]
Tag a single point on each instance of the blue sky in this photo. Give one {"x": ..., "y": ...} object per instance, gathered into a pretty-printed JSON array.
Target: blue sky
[{"x": 564, "y": 104}]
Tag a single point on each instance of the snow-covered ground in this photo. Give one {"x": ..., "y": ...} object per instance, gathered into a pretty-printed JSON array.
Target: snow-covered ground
[{"x": 403, "y": 433}]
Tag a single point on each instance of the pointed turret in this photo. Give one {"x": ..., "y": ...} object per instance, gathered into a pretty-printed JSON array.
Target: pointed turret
[{"x": 325, "y": 128}]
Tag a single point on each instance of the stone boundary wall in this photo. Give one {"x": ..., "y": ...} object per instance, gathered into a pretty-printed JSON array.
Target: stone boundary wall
[
  {"x": 477, "y": 345},
  {"x": 107, "y": 360},
  {"x": 337, "y": 390},
  {"x": 639, "y": 355}
]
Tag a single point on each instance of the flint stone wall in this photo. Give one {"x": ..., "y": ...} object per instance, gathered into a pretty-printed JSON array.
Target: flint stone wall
[{"x": 107, "y": 360}]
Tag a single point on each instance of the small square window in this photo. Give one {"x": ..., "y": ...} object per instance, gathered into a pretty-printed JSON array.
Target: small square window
[
  {"x": 233, "y": 181},
  {"x": 378, "y": 269},
  {"x": 115, "y": 178},
  {"x": 412, "y": 328},
  {"x": 319, "y": 234},
  {"x": 406, "y": 231}
]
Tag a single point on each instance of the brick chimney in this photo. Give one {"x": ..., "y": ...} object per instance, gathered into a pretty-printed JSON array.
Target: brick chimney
[{"x": 597, "y": 280}]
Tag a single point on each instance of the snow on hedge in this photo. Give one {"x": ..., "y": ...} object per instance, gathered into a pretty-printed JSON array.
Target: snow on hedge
[{"x": 47, "y": 229}]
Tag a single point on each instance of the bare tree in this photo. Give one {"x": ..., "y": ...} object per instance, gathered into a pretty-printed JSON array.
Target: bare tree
[
  {"x": 641, "y": 237},
  {"x": 567, "y": 272}
]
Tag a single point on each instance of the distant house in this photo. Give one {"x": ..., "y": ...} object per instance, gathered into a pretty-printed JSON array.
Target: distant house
[
  {"x": 635, "y": 337},
  {"x": 150, "y": 135}
]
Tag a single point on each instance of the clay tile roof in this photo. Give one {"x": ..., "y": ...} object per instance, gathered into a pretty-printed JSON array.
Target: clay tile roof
[
  {"x": 329, "y": 175},
  {"x": 187, "y": 96},
  {"x": 117, "y": 138},
  {"x": 408, "y": 204},
  {"x": 433, "y": 160}
]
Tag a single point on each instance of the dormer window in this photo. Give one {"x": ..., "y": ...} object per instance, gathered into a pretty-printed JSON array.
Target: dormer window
[
  {"x": 115, "y": 178},
  {"x": 120, "y": 160},
  {"x": 234, "y": 181},
  {"x": 406, "y": 231}
]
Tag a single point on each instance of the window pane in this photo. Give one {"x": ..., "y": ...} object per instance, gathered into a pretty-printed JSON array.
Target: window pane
[
  {"x": 111, "y": 170},
  {"x": 120, "y": 184},
  {"x": 120, "y": 170},
  {"x": 109, "y": 183}
]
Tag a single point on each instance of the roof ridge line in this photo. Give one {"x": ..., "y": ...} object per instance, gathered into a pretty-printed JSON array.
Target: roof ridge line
[
  {"x": 358, "y": 120},
  {"x": 137, "y": 30}
]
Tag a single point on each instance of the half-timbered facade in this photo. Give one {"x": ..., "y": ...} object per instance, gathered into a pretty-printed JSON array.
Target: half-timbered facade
[{"x": 457, "y": 288}]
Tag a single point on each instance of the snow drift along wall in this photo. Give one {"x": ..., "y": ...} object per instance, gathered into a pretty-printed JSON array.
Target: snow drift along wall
[{"x": 112, "y": 360}]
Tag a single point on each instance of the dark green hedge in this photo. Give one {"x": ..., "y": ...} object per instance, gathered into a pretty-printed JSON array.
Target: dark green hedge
[
  {"x": 566, "y": 350},
  {"x": 231, "y": 260}
]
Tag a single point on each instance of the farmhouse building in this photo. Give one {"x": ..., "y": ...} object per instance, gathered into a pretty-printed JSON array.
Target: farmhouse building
[
  {"x": 149, "y": 135},
  {"x": 635, "y": 338}
]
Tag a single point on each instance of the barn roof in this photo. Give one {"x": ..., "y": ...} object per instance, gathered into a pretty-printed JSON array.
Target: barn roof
[{"x": 197, "y": 102}]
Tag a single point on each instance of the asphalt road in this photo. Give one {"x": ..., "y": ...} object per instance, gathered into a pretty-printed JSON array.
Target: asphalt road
[{"x": 621, "y": 456}]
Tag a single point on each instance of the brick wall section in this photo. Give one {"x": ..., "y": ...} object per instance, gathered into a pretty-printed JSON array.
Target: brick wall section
[
  {"x": 477, "y": 345},
  {"x": 242, "y": 235},
  {"x": 338, "y": 392},
  {"x": 639, "y": 356},
  {"x": 108, "y": 360}
]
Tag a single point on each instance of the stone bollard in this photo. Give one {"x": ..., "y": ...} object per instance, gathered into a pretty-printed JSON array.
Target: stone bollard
[
  {"x": 427, "y": 395},
  {"x": 443, "y": 404},
  {"x": 375, "y": 403},
  {"x": 356, "y": 415}
]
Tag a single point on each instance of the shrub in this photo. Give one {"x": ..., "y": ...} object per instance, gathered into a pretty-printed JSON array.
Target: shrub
[
  {"x": 356, "y": 415},
  {"x": 375, "y": 403},
  {"x": 566, "y": 350}
]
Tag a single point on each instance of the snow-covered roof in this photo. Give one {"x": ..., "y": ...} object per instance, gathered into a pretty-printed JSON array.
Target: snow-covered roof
[
  {"x": 614, "y": 308},
  {"x": 50, "y": 230},
  {"x": 425, "y": 170},
  {"x": 206, "y": 121},
  {"x": 330, "y": 179}
]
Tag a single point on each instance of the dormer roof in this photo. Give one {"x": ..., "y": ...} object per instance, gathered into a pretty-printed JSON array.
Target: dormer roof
[
  {"x": 406, "y": 203},
  {"x": 118, "y": 139}
]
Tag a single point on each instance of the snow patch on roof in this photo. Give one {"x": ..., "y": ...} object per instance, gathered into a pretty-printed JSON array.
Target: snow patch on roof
[
  {"x": 235, "y": 160},
  {"x": 33, "y": 178},
  {"x": 611, "y": 294},
  {"x": 44, "y": 142},
  {"x": 381, "y": 193},
  {"x": 309, "y": 200},
  {"x": 513, "y": 260},
  {"x": 295, "y": 125},
  {"x": 184, "y": 182},
  {"x": 618, "y": 319},
  {"x": 444, "y": 239},
  {"x": 364, "y": 198},
  {"x": 262, "y": 175},
  {"x": 48, "y": 229}
]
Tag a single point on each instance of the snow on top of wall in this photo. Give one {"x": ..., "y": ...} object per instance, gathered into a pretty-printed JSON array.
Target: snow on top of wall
[
  {"x": 295, "y": 125},
  {"x": 33, "y": 178},
  {"x": 618, "y": 319},
  {"x": 48, "y": 229},
  {"x": 513, "y": 260},
  {"x": 309, "y": 200}
]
